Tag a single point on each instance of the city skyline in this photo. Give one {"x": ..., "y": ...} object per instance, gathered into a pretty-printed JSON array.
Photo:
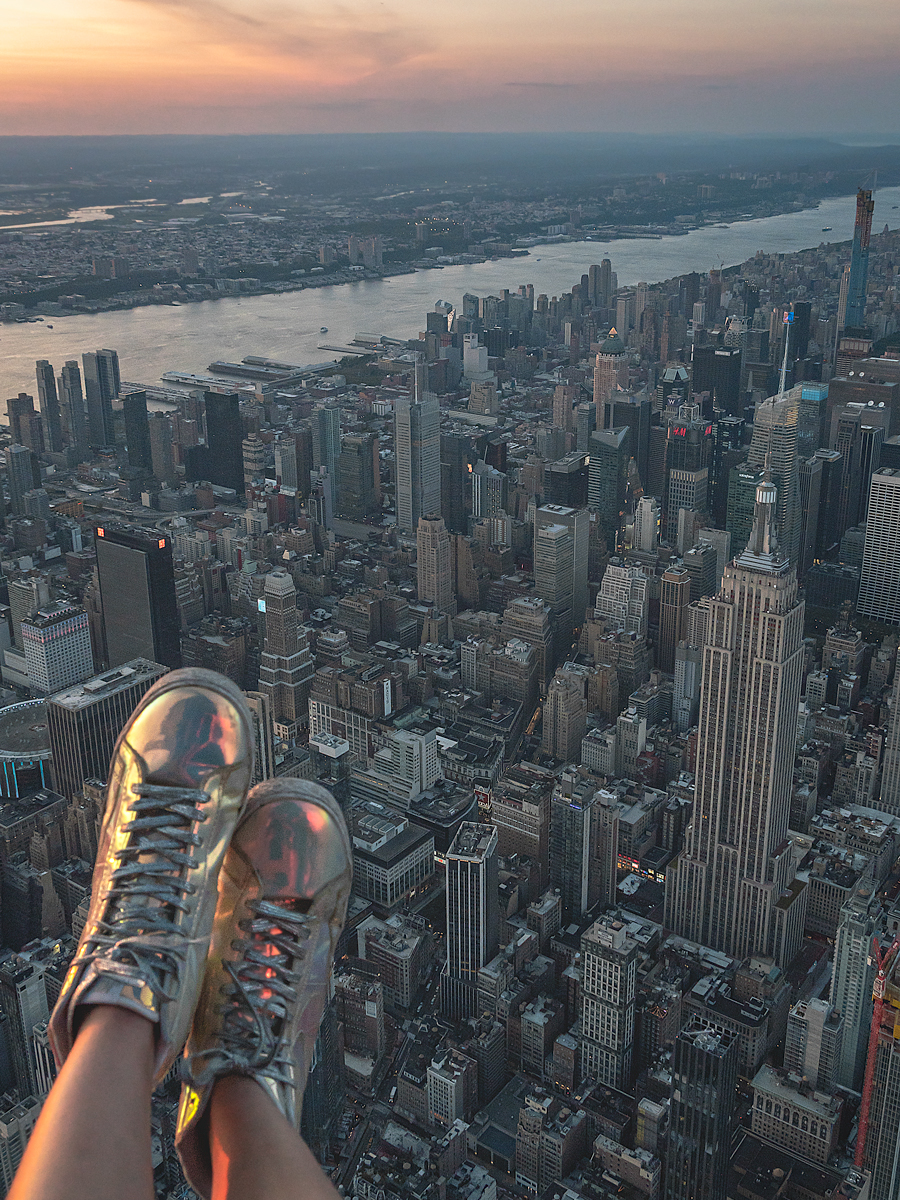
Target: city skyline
[
  {"x": 614, "y": 730},
  {"x": 155, "y": 66}
]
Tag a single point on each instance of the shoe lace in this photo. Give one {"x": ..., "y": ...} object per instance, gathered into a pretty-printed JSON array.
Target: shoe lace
[
  {"x": 264, "y": 988},
  {"x": 148, "y": 888}
]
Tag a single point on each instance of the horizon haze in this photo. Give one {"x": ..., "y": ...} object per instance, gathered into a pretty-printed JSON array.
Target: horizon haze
[{"x": 226, "y": 66}]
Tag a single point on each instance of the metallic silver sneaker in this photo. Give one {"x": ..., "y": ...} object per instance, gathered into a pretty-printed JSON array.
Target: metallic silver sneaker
[
  {"x": 283, "y": 893},
  {"x": 177, "y": 785}
]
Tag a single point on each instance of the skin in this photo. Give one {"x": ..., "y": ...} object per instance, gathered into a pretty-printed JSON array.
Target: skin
[{"x": 92, "y": 1138}]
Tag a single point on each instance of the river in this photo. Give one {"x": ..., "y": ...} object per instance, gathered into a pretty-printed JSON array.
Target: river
[{"x": 188, "y": 338}]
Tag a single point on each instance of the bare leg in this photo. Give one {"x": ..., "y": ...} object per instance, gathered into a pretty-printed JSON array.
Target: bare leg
[
  {"x": 92, "y": 1139},
  {"x": 256, "y": 1154}
]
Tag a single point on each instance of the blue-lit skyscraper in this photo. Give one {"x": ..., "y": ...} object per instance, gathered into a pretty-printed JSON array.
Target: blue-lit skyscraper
[{"x": 859, "y": 261}]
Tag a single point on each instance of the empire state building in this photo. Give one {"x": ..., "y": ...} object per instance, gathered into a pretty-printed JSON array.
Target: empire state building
[{"x": 732, "y": 885}]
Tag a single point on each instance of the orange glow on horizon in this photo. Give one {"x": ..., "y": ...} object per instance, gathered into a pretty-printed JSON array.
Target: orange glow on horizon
[{"x": 142, "y": 66}]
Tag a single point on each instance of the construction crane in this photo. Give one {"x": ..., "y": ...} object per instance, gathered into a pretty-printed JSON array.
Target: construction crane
[{"x": 884, "y": 962}]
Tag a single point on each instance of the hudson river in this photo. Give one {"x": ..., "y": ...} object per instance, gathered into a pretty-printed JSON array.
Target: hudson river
[{"x": 160, "y": 338}]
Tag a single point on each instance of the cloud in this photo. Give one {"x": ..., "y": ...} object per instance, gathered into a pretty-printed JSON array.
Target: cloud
[
  {"x": 374, "y": 37},
  {"x": 534, "y": 83}
]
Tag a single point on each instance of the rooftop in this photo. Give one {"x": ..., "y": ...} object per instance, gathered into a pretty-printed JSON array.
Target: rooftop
[
  {"x": 472, "y": 840},
  {"x": 82, "y": 695},
  {"x": 23, "y": 731},
  {"x": 791, "y": 1088}
]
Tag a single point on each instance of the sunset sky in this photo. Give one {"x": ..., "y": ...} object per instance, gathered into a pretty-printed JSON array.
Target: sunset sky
[{"x": 247, "y": 66}]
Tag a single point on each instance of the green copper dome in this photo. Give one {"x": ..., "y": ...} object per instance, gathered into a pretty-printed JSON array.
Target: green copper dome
[{"x": 613, "y": 344}]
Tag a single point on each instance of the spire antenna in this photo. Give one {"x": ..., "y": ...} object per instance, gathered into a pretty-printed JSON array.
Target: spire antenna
[{"x": 788, "y": 320}]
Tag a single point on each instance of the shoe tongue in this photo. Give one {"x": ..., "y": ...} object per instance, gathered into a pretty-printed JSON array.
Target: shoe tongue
[{"x": 174, "y": 775}]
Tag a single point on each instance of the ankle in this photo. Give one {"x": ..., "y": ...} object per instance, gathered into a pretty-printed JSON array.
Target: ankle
[{"x": 131, "y": 1033}]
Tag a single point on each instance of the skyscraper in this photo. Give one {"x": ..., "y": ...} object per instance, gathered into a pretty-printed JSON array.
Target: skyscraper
[
  {"x": 26, "y": 595},
  {"x": 286, "y": 462},
  {"x": 646, "y": 525},
  {"x": 859, "y": 261},
  {"x": 72, "y": 411},
  {"x": 811, "y": 472},
  {"x": 564, "y": 397},
  {"x": 473, "y": 916},
  {"x": 881, "y": 1139},
  {"x": 528, "y": 618},
  {"x": 49, "y": 402},
  {"x": 859, "y": 445},
  {"x": 813, "y": 1042},
  {"x": 57, "y": 645},
  {"x": 17, "y": 1121},
  {"x": 728, "y": 452},
  {"x": 623, "y": 601},
  {"x": 458, "y": 456},
  {"x": 717, "y": 370},
  {"x": 600, "y": 283},
  {"x": 327, "y": 446},
  {"x": 137, "y": 590},
  {"x": 879, "y": 582},
  {"x": 161, "y": 454},
  {"x": 742, "y": 484},
  {"x": 775, "y": 430},
  {"x": 608, "y": 478},
  {"x": 324, "y": 1092},
  {"x": 852, "y": 976},
  {"x": 223, "y": 437},
  {"x": 253, "y": 457},
  {"x": 101, "y": 387},
  {"x": 704, "y": 1079},
  {"x": 890, "y": 774},
  {"x": 285, "y": 666},
  {"x": 610, "y": 372},
  {"x": 583, "y": 855},
  {"x": 84, "y": 721},
  {"x": 358, "y": 481},
  {"x": 24, "y": 423},
  {"x": 23, "y": 999},
  {"x": 490, "y": 490},
  {"x": 137, "y": 432},
  {"x": 560, "y": 569},
  {"x": 20, "y": 476},
  {"x": 725, "y": 888},
  {"x": 674, "y": 598},
  {"x": 418, "y": 459},
  {"x": 303, "y": 439},
  {"x": 609, "y": 962},
  {"x": 633, "y": 411},
  {"x": 434, "y": 571},
  {"x": 565, "y": 716},
  {"x": 689, "y": 455}
]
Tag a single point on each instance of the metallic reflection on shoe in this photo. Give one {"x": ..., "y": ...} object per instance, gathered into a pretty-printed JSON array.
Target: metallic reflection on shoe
[
  {"x": 283, "y": 894},
  {"x": 177, "y": 784}
]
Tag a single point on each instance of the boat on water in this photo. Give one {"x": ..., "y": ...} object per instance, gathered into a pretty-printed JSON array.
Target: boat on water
[{"x": 826, "y": 229}]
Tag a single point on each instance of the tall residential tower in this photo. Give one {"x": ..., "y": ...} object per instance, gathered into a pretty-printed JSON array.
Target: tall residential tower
[
  {"x": 855, "y": 317},
  {"x": 418, "y": 462}
]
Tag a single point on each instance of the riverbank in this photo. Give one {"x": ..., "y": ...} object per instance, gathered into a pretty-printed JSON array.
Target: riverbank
[
  {"x": 160, "y": 338},
  {"x": 165, "y": 289}
]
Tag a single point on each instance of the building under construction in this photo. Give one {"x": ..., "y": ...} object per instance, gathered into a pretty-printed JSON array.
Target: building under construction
[{"x": 878, "y": 1138}]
